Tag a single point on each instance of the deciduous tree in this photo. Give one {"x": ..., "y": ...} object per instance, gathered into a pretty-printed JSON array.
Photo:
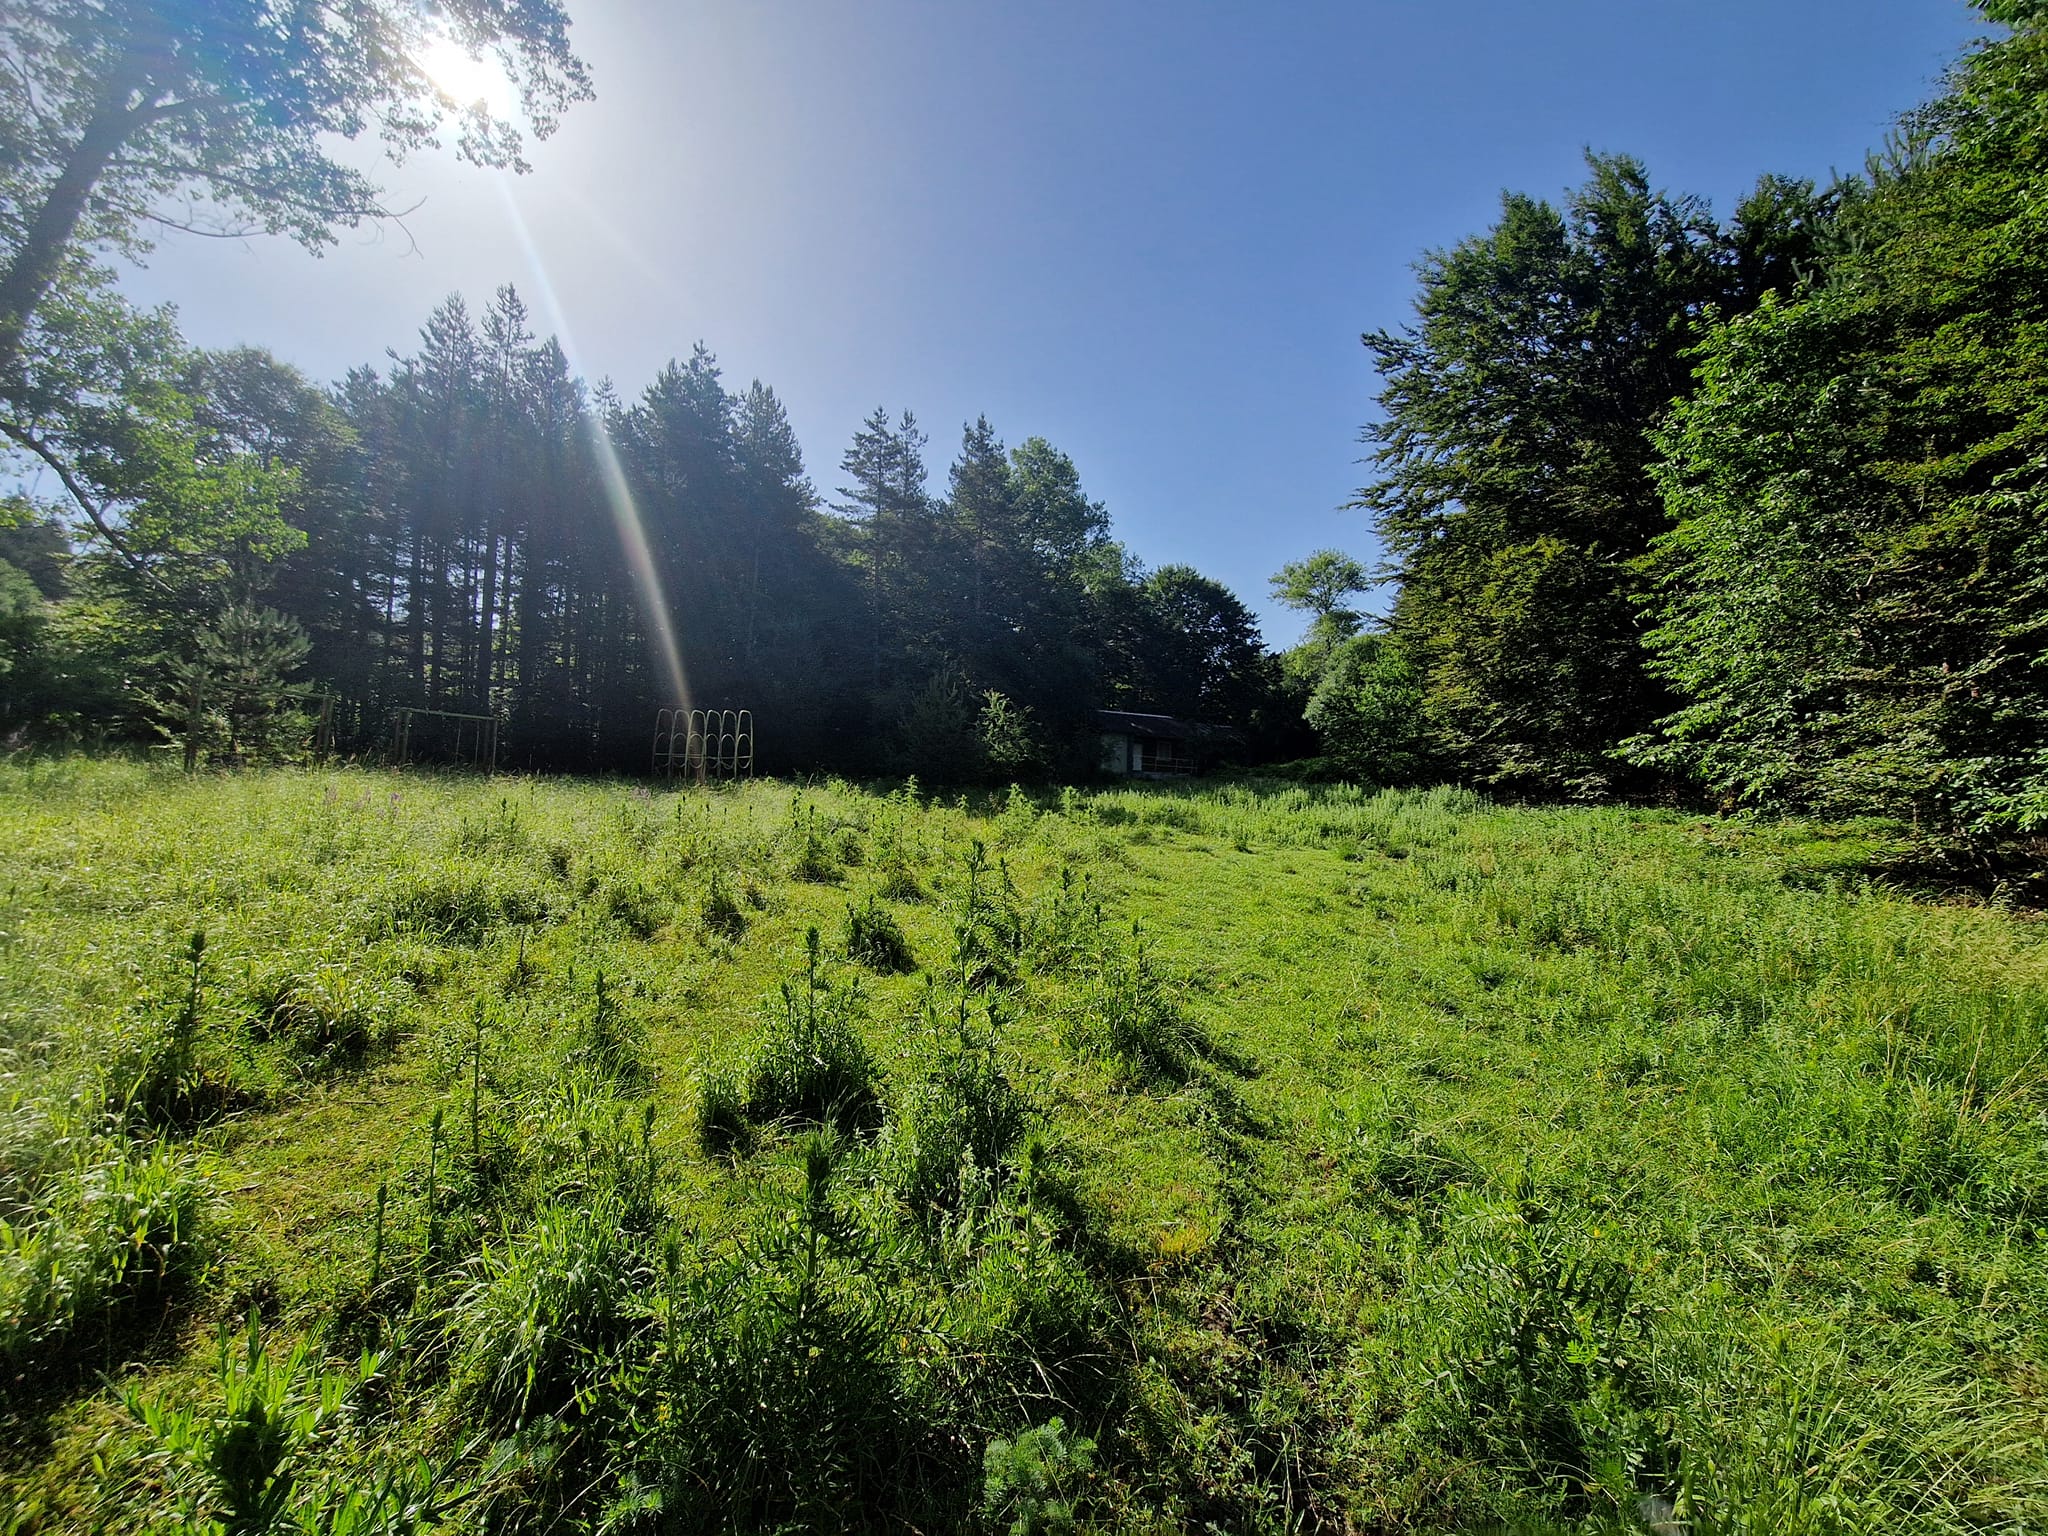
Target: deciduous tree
[{"x": 221, "y": 115}]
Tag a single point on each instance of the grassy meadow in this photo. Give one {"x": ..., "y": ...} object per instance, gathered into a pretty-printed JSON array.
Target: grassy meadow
[{"x": 390, "y": 1152}]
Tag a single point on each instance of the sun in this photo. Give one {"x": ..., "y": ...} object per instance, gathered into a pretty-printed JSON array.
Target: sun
[{"x": 466, "y": 80}]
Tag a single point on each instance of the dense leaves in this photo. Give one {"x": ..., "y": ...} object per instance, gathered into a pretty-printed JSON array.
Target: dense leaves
[
  {"x": 473, "y": 530},
  {"x": 1750, "y": 508},
  {"x": 220, "y": 115},
  {"x": 1514, "y": 457},
  {"x": 1853, "y": 599}
]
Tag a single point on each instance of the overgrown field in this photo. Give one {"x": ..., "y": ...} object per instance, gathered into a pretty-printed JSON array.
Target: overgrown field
[{"x": 531, "y": 1155}]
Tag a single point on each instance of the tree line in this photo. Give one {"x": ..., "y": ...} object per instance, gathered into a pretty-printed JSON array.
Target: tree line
[
  {"x": 1748, "y": 509},
  {"x": 473, "y": 529}
]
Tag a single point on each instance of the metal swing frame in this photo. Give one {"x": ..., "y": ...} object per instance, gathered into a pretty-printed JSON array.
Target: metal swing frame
[{"x": 703, "y": 745}]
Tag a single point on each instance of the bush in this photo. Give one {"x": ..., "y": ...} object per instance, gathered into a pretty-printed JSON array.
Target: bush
[
  {"x": 812, "y": 1067},
  {"x": 1367, "y": 709},
  {"x": 875, "y": 939},
  {"x": 1011, "y": 743}
]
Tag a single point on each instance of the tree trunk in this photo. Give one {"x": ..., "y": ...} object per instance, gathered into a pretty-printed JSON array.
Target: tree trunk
[{"x": 48, "y": 235}]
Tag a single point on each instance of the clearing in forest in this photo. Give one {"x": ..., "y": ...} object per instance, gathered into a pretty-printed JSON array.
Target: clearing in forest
[{"x": 537, "y": 1154}]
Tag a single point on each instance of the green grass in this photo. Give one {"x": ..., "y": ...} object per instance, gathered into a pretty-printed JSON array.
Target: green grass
[{"x": 1145, "y": 1160}]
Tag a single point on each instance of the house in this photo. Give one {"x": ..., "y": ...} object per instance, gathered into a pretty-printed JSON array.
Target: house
[{"x": 1155, "y": 746}]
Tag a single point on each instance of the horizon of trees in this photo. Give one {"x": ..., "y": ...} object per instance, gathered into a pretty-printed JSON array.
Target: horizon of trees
[
  {"x": 1743, "y": 510},
  {"x": 446, "y": 533}
]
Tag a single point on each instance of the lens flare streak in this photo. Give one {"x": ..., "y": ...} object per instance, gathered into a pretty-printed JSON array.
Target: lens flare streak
[{"x": 632, "y": 528}]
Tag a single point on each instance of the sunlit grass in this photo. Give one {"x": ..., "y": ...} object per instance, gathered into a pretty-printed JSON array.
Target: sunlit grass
[{"x": 1319, "y": 1155}]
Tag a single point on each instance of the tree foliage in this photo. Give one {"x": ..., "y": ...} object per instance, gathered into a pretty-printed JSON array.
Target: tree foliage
[
  {"x": 1851, "y": 604},
  {"x": 233, "y": 694},
  {"x": 221, "y": 115},
  {"x": 1319, "y": 585},
  {"x": 1514, "y": 457},
  {"x": 1367, "y": 710},
  {"x": 464, "y": 530}
]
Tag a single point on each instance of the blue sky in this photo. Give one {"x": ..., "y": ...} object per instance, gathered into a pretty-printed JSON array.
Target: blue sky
[{"x": 1149, "y": 232}]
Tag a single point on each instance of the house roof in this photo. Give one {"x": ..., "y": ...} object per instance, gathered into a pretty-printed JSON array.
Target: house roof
[{"x": 1161, "y": 727}]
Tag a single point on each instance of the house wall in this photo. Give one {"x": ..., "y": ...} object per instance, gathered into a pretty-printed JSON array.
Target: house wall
[{"x": 1116, "y": 753}]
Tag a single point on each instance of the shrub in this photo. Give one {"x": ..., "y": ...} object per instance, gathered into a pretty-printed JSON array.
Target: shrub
[
  {"x": 1031, "y": 1481},
  {"x": 1011, "y": 742},
  {"x": 875, "y": 939}
]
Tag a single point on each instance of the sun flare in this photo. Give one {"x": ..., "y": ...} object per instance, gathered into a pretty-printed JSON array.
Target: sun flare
[{"x": 465, "y": 79}]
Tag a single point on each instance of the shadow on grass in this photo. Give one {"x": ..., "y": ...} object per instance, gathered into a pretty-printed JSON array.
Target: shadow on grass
[{"x": 142, "y": 1334}]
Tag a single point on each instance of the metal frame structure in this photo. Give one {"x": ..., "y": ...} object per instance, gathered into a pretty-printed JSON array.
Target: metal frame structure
[
  {"x": 486, "y": 734},
  {"x": 704, "y": 744}
]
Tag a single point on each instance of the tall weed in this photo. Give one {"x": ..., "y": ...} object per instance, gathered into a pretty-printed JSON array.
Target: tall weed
[
  {"x": 111, "y": 1231},
  {"x": 812, "y": 1066}
]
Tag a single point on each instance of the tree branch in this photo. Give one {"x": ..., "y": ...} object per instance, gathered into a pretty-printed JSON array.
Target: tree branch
[{"x": 43, "y": 451}]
